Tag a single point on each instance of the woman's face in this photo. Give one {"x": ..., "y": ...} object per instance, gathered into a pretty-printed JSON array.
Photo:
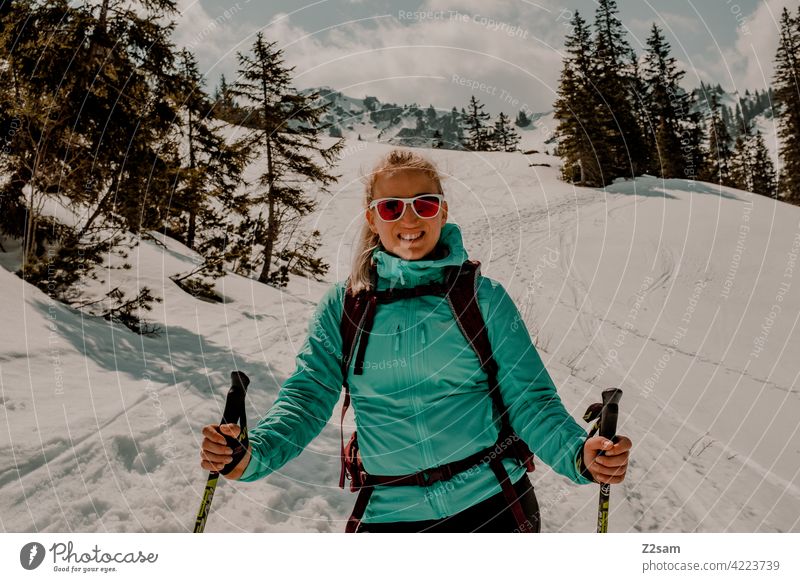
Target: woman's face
[{"x": 407, "y": 184}]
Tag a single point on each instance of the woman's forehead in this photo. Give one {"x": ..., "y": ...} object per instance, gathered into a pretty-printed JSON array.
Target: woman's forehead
[{"x": 404, "y": 183}]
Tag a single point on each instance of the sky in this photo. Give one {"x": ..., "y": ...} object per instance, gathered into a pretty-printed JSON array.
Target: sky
[{"x": 440, "y": 52}]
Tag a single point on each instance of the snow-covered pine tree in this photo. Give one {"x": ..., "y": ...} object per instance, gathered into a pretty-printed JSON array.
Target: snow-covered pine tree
[{"x": 289, "y": 129}]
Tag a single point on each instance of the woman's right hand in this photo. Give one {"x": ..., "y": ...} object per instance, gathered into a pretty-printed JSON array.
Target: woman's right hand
[{"x": 215, "y": 453}]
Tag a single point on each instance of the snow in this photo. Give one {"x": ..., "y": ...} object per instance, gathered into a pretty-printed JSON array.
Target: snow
[{"x": 666, "y": 289}]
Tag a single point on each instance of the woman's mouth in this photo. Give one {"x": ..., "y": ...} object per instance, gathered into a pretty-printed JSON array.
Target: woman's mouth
[{"x": 411, "y": 237}]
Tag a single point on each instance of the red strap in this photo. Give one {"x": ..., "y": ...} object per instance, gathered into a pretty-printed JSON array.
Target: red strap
[
  {"x": 345, "y": 406},
  {"x": 510, "y": 496},
  {"x": 358, "y": 510}
]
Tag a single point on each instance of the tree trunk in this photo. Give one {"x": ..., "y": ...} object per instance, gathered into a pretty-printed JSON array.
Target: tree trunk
[
  {"x": 271, "y": 226},
  {"x": 99, "y": 208},
  {"x": 192, "y": 209}
]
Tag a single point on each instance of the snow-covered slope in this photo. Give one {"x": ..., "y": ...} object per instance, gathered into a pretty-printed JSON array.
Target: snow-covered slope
[{"x": 684, "y": 295}]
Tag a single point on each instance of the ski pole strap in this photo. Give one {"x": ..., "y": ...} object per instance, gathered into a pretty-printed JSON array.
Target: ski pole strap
[{"x": 592, "y": 414}]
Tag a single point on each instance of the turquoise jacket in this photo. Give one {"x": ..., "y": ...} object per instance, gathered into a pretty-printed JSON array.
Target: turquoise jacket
[{"x": 423, "y": 398}]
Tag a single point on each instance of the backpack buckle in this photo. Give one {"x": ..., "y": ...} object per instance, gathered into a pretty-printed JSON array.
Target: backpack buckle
[{"x": 430, "y": 476}]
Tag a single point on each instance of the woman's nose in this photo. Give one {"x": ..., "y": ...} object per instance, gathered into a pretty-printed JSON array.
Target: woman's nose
[{"x": 409, "y": 217}]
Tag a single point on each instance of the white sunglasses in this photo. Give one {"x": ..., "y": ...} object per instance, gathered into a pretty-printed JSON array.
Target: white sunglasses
[{"x": 392, "y": 209}]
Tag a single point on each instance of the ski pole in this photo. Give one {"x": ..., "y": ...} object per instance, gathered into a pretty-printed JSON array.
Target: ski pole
[
  {"x": 234, "y": 413},
  {"x": 608, "y": 429}
]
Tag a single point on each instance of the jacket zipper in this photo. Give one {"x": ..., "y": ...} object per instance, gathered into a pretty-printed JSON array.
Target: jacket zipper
[{"x": 421, "y": 426}]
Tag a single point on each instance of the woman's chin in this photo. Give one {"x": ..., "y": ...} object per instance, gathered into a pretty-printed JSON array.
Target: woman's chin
[{"x": 409, "y": 254}]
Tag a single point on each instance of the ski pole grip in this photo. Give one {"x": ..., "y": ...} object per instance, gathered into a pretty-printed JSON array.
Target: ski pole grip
[
  {"x": 610, "y": 412},
  {"x": 234, "y": 413},
  {"x": 234, "y": 402}
]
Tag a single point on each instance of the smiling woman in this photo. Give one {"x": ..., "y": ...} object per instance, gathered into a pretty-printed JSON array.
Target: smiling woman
[
  {"x": 418, "y": 231},
  {"x": 409, "y": 235},
  {"x": 451, "y": 398}
]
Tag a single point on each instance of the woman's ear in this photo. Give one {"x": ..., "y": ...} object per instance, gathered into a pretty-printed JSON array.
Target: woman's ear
[
  {"x": 444, "y": 212},
  {"x": 369, "y": 218}
]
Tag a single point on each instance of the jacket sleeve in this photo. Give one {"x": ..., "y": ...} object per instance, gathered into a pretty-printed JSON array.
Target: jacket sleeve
[
  {"x": 535, "y": 410},
  {"x": 306, "y": 400}
]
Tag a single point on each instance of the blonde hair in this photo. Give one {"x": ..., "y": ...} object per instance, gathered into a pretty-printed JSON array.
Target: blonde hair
[{"x": 396, "y": 160}]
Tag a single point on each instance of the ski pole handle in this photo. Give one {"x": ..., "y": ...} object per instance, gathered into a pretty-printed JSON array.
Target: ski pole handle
[
  {"x": 609, "y": 413},
  {"x": 608, "y": 429},
  {"x": 234, "y": 412}
]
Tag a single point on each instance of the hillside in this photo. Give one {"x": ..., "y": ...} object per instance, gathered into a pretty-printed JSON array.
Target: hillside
[{"x": 665, "y": 289}]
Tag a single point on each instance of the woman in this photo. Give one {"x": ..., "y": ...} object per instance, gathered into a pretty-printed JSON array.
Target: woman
[{"x": 422, "y": 398}]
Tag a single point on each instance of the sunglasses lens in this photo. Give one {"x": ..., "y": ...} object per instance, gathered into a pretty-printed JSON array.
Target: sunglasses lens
[
  {"x": 390, "y": 209},
  {"x": 426, "y": 206}
]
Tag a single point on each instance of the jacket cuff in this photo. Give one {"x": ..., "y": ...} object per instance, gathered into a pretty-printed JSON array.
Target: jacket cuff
[{"x": 580, "y": 465}]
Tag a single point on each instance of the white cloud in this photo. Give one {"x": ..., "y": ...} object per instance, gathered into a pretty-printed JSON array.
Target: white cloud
[
  {"x": 211, "y": 39},
  {"x": 752, "y": 60},
  {"x": 416, "y": 59}
]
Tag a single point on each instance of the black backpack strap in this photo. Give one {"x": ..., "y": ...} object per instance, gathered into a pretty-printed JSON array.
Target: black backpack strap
[{"x": 463, "y": 300}]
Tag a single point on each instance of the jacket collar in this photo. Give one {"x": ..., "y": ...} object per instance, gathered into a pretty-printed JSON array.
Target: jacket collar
[{"x": 393, "y": 271}]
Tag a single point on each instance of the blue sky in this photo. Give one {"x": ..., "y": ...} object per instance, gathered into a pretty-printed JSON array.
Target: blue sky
[{"x": 507, "y": 53}]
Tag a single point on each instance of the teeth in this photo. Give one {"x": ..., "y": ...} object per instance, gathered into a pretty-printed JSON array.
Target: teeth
[{"x": 410, "y": 236}]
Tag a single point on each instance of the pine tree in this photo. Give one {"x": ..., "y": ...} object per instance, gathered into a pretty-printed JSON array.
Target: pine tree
[
  {"x": 726, "y": 115},
  {"x": 696, "y": 162},
  {"x": 522, "y": 119},
  {"x": 504, "y": 137},
  {"x": 205, "y": 205},
  {"x": 477, "y": 129},
  {"x": 288, "y": 137},
  {"x": 739, "y": 123},
  {"x": 430, "y": 115},
  {"x": 642, "y": 117},
  {"x": 97, "y": 122},
  {"x": 719, "y": 147},
  {"x": 612, "y": 76},
  {"x": 580, "y": 139},
  {"x": 787, "y": 97},
  {"x": 667, "y": 103},
  {"x": 741, "y": 173},
  {"x": 763, "y": 170}
]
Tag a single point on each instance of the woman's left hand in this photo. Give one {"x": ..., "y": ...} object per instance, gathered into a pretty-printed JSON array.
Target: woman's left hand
[{"x": 611, "y": 466}]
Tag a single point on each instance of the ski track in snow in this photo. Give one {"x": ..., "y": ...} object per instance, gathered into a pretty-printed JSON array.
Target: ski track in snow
[{"x": 117, "y": 448}]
